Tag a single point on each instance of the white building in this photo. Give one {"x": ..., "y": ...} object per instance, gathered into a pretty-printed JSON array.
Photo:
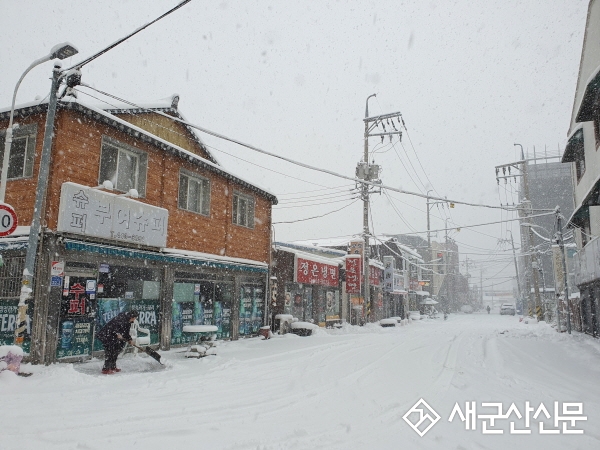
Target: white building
[{"x": 582, "y": 153}]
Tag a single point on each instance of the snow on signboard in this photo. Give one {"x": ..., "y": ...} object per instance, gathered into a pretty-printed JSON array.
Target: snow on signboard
[{"x": 91, "y": 212}]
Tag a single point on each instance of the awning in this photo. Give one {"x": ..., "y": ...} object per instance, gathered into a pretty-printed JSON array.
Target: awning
[
  {"x": 158, "y": 256},
  {"x": 574, "y": 146},
  {"x": 18, "y": 243},
  {"x": 585, "y": 113}
]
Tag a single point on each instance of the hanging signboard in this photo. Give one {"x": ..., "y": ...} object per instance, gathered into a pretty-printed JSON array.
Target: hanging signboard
[
  {"x": 388, "y": 274},
  {"x": 374, "y": 275},
  {"x": 92, "y": 212},
  {"x": 353, "y": 274},
  {"x": 313, "y": 272}
]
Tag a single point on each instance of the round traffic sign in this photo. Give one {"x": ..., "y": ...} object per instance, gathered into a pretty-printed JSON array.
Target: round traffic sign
[{"x": 8, "y": 220}]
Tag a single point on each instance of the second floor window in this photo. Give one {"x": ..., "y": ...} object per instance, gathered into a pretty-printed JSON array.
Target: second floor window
[
  {"x": 243, "y": 210},
  {"x": 124, "y": 166},
  {"x": 194, "y": 193},
  {"x": 22, "y": 152}
]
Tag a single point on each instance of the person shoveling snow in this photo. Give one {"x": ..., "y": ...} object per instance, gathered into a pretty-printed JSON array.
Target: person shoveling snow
[{"x": 113, "y": 336}]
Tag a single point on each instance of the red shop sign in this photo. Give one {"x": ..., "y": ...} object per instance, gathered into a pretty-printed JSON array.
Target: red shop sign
[
  {"x": 374, "y": 275},
  {"x": 312, "y": 272},
  {"x": 353, "y": 274}
]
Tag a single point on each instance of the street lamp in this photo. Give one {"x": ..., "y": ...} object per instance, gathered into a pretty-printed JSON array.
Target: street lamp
[{"x": 60, "y": 51}]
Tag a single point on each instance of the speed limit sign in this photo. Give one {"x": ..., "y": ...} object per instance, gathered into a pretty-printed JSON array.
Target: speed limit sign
[{"x": 8, "y": 220}]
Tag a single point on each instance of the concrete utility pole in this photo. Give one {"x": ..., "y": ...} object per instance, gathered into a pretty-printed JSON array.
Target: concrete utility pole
[
  {"x": 525, "y": 211},
  {"x": 370, "y": 172},
  {"x": 34, "y": 233},
  {"x": 512, "y": 242},
  {"x": 561, "y": 245}
]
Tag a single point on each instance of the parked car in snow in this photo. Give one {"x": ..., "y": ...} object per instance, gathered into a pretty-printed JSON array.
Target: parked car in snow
[
  {"x": 507, "y": 309},
  {"x": 467, "y": 309}
]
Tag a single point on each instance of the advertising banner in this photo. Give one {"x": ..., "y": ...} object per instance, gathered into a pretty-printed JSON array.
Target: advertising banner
[
  {"x": 375, "y": 275},
  {"x": 9, "y": 311},
  {"x": 149, "y": 311},
  {"x": 353, "y": 274},
  {"x": 75, "y": 337},
  {"x": 312, "y": 272}
]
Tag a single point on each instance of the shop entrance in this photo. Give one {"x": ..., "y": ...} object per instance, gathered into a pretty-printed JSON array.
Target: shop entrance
[
  {"x": 252, "y": 308},
  {"x": 77, "y": 315}
]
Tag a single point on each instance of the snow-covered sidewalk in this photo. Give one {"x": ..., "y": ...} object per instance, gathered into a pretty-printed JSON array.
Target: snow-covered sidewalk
[{"x": 339, "y": 389}]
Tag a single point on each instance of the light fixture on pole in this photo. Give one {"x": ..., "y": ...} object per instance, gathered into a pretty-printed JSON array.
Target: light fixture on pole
[{"x": 60, "y": 51}]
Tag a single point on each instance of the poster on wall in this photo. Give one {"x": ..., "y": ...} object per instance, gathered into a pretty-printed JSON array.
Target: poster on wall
[
  {"x": 9, "y": 311},
  {"x": 149, "y": 311},
  {"x": 75, "y": 338}
]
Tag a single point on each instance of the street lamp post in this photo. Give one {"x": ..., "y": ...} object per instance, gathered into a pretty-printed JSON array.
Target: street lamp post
[{"x": 61, "y": 52}]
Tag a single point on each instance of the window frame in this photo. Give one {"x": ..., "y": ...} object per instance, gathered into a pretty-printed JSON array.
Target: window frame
[
  {"x": 235, "y": 212},
  {"x": 28, "y": 132},
  {"x": 205, "y": 194},
  {"x": 142, "y": 166}
]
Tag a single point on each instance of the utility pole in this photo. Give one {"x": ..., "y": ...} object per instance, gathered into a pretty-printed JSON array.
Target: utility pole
[
  {"x": 525, "y": 211},
  {"x": 370, "y": 172},
  {"x": 561, "y": 245},
  {"x": 512, "y": 242}
]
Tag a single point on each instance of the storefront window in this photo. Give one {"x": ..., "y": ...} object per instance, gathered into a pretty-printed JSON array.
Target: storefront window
[
  {"x": 299, "y": 301},
  {"x": 123, "y": 288},
  {"x": 201, "y": 302},
  {"x": 11, "y": 274}
]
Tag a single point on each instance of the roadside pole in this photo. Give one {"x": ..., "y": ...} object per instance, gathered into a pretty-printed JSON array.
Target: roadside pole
[
  {"x": 40, "y": 196},
  {"x": 561, "y": 245}
]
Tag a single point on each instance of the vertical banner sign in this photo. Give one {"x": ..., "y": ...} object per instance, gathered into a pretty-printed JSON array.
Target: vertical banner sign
[
  {"x": 313, "y": 272},
  {"x": 388, "y": 274},
  {"x": 353, "y": 274},
  {"x": 374, "y": 275}
]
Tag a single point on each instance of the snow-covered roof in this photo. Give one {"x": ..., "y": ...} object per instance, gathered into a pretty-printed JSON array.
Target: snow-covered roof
[
  {"x": 329, "y": 242},
  {"x": 139, "y": 133},
  {"x": 311, "y": 256},
  {"x": 312, "y": 248},
  {"x": 211, "y": 257}
]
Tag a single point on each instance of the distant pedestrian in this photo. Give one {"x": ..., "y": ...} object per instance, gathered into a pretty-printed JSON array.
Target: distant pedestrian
[
  {"x": 113, "y": 336},
  {"x": 488, "y": 308}
]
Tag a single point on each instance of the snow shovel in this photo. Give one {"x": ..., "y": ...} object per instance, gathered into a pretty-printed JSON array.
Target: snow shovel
[{"x": 149, "y": 352}]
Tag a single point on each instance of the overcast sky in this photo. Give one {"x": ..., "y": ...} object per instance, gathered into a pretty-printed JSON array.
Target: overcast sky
[{"x": 470, "y": 77}]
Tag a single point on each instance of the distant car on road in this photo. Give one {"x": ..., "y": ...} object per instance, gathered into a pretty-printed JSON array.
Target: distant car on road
[{"x": 507, "y": 309}]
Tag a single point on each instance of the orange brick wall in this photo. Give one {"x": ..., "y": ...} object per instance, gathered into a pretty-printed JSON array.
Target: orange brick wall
[{"x": 76, "y": 158}]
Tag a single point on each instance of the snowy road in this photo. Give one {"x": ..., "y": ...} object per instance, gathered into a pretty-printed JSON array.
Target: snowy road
[{"x": 347, "y": 389}]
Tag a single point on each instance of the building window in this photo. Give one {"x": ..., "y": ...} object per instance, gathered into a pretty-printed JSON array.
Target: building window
[
  {"x": 580, "y": 162},
  {"x": 194, "y": 193},
  {"x": 123, "y": 165},
  {"x": 22, "y": 151},
  {"x": 243, "y": 210},
  {"x": 597, "y": 130},
  {"x": 11, "y": 275}
]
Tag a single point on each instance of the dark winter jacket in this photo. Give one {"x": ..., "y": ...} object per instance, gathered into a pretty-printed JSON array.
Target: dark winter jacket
[{"x": 118, "y": 325}]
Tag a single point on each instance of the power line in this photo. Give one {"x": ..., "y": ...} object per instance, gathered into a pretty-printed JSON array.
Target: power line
[
  {"x": 298, "y": 163},
  {"x": 316, "y": 217}
]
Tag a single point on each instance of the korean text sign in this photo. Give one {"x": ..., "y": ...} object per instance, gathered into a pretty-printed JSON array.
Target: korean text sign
[
  {"x": 313, "y": 272},
  {"x": 353, "y": 274},
  {"x": 92, "y": 212}
]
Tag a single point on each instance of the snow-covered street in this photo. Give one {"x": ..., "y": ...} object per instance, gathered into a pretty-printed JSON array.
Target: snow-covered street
[{"x": 341, "y": 389}]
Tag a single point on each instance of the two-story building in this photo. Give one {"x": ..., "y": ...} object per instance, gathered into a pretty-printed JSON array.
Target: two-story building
[{"x": 178, "y": 237}]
